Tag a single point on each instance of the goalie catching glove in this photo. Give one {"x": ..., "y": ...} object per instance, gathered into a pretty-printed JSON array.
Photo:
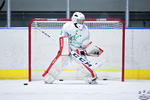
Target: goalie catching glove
[
  {"x": 95, "y": 51},
  {"x": 92, "y": 50}
]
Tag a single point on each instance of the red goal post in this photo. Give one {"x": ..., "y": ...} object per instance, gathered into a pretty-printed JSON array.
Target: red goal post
[{"x": 103, "y": 19}]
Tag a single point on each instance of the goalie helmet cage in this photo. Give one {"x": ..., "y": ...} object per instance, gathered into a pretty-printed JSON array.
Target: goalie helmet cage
[{"x": 92, "y": 26}]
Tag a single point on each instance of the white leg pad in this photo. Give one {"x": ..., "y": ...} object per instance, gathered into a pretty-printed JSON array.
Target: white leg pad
[
  {"x": 85, "y": 67},
  {"x": 49, "y": 79},
  {"x": 89, "y": 79}
]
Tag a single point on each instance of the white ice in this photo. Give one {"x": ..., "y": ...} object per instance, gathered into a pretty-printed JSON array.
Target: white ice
[{"x": 72, "y": 90}]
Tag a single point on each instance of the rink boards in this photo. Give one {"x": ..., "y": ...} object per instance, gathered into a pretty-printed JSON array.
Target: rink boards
[{"x": 14, "y": 64}]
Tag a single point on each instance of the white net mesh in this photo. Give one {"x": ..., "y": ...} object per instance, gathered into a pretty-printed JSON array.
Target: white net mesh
[{"x": 90, "y": 24}]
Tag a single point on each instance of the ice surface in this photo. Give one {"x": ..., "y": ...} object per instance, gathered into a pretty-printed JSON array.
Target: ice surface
[{"x": 72, "y": 90}]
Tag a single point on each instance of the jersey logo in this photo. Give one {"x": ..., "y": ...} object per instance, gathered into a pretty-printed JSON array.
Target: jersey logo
[{"x": 73, "y": 39}]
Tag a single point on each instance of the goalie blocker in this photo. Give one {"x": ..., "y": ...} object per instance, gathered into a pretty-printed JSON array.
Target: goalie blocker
[{"x": 85, "y": 66}]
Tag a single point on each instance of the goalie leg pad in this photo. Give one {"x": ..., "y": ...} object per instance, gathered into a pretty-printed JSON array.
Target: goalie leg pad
[
  {"x": 92, "y": 80},
  {"x": 49, "y": 79},
  {"x": 51, "y": 76},
  {"x": 53, "y": 70},
  {"x": 86, "y": 66},
  {"x": 87, "y": 76}
]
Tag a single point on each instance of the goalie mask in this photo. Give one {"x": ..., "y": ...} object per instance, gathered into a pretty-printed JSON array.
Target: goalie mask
[{"x": 78, "y": 18}]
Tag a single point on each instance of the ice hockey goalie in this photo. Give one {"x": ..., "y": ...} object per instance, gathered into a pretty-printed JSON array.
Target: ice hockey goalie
[{"x": 80, "y": 47}]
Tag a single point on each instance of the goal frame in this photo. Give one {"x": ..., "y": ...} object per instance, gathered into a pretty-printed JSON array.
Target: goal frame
[{"x": 62, "y": 19}]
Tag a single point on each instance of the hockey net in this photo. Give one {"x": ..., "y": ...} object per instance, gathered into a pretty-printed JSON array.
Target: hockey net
[{"x": 108, "y": 34}]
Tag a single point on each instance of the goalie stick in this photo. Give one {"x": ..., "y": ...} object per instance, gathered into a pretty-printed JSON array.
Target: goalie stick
[{"x": 83, "y": 61}]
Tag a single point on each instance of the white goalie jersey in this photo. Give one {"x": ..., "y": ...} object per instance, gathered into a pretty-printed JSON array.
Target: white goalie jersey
[{"x": 79, "y": 37}]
